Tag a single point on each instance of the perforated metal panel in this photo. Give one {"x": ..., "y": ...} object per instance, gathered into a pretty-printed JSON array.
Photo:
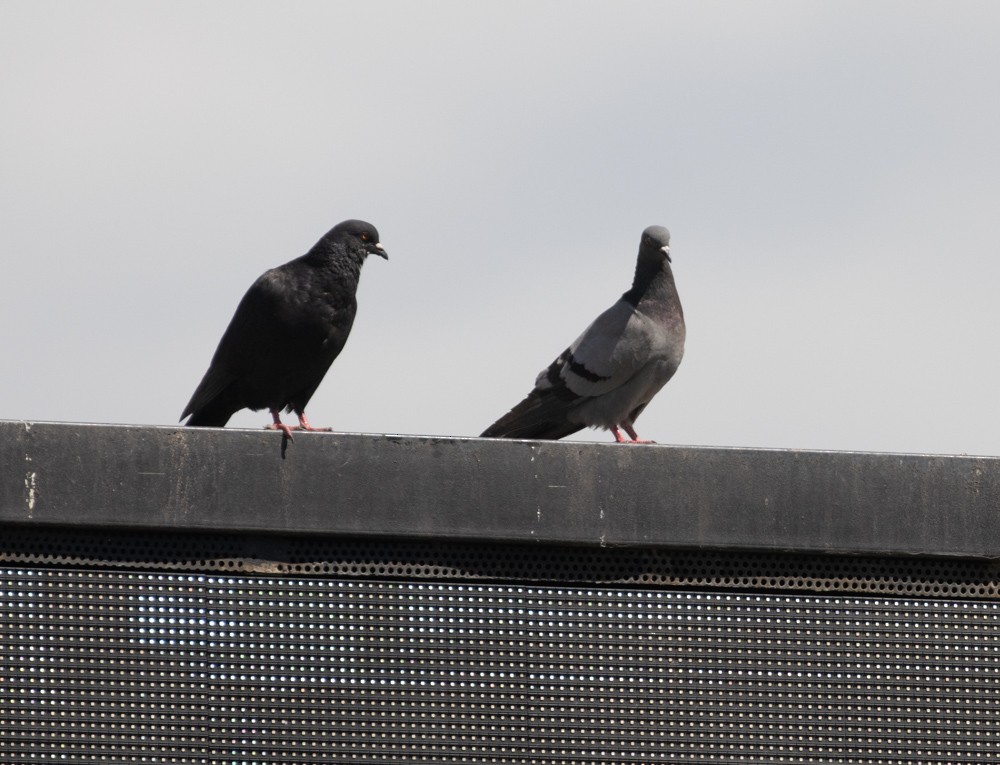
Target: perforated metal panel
[
  {"x": 470, "y": 561},
  {"x": 354, "y": 652}
]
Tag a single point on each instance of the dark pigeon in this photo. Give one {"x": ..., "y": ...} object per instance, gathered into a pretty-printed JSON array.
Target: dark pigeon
[
  {"x": 608, "y": 376},
  {"x": 287, "y": 330}
]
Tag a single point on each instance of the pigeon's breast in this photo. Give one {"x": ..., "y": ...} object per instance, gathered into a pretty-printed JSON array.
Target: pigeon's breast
[
  {"x": 654, "y": 354},
  {"x": 612, "y": 408}
]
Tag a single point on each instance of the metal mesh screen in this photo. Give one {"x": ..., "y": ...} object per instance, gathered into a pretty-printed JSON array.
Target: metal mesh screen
[
  {"x": 482, "y": 561},
  {"x": 120, "y": 664}
]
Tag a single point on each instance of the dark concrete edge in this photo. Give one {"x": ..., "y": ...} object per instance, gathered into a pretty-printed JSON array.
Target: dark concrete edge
[
  {"x": 384, "y": 526},
  {"x": 440, "y": 437}
]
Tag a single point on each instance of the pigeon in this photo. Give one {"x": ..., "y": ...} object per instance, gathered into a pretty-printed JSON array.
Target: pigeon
[
  {"x": 287, "y": 330},
  {"x": 612, "y": 371}
]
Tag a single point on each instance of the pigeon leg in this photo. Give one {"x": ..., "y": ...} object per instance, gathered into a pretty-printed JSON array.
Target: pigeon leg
[
  {"x": 279, "y": 425},
  {"x": 617, "y": 434},
  {"x": 304, "y": 424},
  {"x": 633, "y": 435}
]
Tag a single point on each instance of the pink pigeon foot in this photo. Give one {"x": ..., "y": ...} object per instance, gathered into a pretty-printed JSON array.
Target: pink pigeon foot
[
  {"x": 304, "y": 425},
  {"x": 633, "y": 437},
  {"x": 279, "y": 425}
]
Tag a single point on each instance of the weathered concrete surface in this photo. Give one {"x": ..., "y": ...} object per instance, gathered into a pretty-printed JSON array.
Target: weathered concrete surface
[{"x": 576, "y": 493}]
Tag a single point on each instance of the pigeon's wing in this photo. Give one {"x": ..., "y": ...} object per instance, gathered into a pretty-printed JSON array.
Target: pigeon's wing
[
  {"x": 251, "y": 332},
  {"x": 608, "y": 353}
]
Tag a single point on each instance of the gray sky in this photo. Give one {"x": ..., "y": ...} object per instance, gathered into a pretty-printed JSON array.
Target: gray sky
[{"x": 829, "y": 171}]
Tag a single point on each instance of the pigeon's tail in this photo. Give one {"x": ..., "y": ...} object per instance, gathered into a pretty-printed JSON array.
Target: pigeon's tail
[
  {"x": 547, "y": 431},
  {"x": 209, "y": 417},
  {"x": 214, "y": 413},
  {"x": 540, "y": 415}
]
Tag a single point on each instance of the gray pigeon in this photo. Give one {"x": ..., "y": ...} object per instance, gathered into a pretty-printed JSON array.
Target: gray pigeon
[
  {"x": 606, "y": 378},
  {"x": 287, "y": 330}
]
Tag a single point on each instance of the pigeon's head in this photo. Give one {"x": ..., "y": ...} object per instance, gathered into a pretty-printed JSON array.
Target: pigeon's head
[
  {"x": 359, "y": 236},
  {"x": 655, "y": 243}
]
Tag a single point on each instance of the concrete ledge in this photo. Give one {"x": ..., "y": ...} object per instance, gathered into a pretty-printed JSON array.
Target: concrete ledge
[{"x": 554, "y": 492}]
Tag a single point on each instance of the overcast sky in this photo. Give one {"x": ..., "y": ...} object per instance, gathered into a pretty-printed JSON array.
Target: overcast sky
[{"x": 829, "y": 171}]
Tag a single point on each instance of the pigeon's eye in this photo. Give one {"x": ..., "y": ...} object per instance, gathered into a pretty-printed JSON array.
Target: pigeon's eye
[{"x": 364, "y": 236}]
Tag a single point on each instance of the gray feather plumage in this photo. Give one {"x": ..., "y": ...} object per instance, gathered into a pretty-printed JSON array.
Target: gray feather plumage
[{"x": 611, "y": 372}]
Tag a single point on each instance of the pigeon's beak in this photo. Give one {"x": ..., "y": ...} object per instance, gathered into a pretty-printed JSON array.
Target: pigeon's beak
[
  {"x": 666, "y": 252},
  {"x": 380, "y": 250}
]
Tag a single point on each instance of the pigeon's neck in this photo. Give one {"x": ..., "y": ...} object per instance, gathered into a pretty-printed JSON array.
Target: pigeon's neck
[
  {"x": 335, "y": 261},
  {"x": 654, "y": 282}
]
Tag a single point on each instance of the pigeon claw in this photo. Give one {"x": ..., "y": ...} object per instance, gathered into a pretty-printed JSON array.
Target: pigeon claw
[
  {"x": 279, "y": 425},
  {"x": 304, "y": 425},
  {"x": 633, "y": 437},
  {"x": 287, "y": 430}
]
